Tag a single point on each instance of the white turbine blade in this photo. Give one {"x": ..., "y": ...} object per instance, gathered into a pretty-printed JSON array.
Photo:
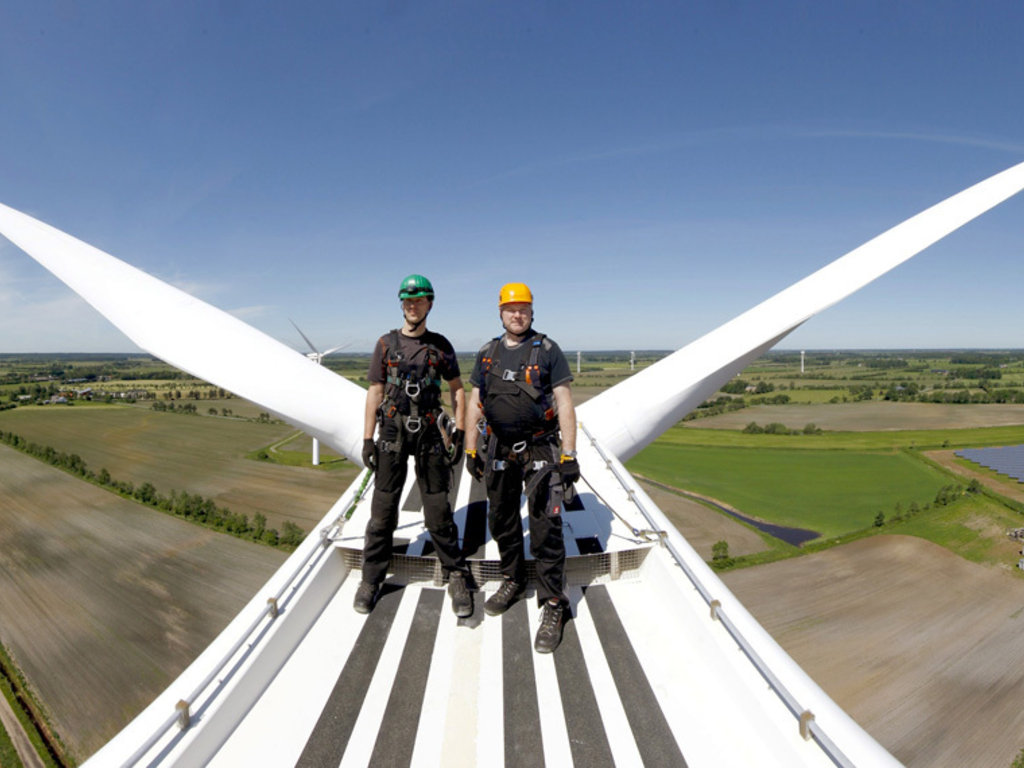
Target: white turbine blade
[
  {"x": 633, "y": 413},
  {"x": 199, "y": 338},
  {"x": 305, "y": 338}
]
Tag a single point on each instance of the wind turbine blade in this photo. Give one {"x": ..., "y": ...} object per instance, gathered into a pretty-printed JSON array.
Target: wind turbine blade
[
  {"x": 310, "y": 343},
  {"x": 633, "y": 413},
  {"x": 199, "y": 338}
]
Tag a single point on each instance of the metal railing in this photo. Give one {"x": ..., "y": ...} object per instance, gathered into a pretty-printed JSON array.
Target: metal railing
[
  {"x": 805, "y": 718},
  {"x": 275, "y": 604}
]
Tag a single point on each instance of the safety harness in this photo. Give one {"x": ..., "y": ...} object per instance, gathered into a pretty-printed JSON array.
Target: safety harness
[
  {"x": 528, "y": 380},
  {"x": 533, "y": 450},
  {"x": 412, "y": 391}
]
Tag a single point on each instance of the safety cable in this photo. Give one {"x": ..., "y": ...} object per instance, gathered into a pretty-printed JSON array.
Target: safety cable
[
  {"x": 359, "y": 494},
  {"x": 646, "y": 534}
]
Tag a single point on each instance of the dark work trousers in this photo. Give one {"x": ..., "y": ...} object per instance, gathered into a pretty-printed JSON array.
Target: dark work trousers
[
  {"x": 433, "y": 475},
  {"x": 547, "y": 545}
]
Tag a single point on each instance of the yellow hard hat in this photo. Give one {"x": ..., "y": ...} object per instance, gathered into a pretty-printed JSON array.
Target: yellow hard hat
[{"x": 515, "y": 293}]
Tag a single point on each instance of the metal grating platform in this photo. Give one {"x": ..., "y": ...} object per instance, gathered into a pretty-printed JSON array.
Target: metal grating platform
[{"x": 580, "y": 570}]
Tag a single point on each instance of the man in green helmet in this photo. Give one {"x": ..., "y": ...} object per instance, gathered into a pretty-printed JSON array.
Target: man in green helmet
[{"x": 404, "y": 405}]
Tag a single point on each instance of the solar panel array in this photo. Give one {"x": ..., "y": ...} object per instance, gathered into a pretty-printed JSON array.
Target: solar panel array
[{"x": 1006, "y": 460}]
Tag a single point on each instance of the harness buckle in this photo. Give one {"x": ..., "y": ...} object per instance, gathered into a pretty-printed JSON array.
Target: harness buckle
[
  {"x": 508, "y": 375},
  {"x": 520, "y": 446},
  {"x": 412, "y": 389},
  {"x": 413, "y": 424},
  {"x": 538, "y": 465},
  {"x": 498, "y": 465}
]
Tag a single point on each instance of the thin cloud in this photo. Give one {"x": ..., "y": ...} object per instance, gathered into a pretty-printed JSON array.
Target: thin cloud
[{"x": 934, "y": 138}]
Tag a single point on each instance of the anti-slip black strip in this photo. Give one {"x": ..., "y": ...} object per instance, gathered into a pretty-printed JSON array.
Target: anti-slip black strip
[
  {"x": 587, "y": 737},
  {"x": 397, "y": 734},
  {"x": 523, "y": 745},
  {"x": 330, "y": 736},
  {"x": 651, "y": 730}
]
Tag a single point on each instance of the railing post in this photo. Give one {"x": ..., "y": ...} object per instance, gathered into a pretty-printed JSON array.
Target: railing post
[
  {"x": 715, "y": 605},
  {"x": 806, "y": 718},
  {"x": 184, "y": 718}
]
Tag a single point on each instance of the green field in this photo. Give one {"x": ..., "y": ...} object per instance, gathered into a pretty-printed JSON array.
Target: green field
[
  {"x": 974, "y": 528},
  {"x": 836, "y": 483},
  {"x": 848, "y": 441},
  {"x": 831, "y": 492},
  {"x": 8, "y": 756}
]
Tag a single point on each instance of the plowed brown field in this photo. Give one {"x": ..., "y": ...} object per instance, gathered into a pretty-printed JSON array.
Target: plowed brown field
[
  {"x": 103, "y": 602},
  {"x": 869, "y": 416},
  {"x": 921, "y": 647}
]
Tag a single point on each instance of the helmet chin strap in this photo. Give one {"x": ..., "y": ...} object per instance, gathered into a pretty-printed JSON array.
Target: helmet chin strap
[
  {"x": 525, "y": 330},
  {"x": 416, "y": 326}
]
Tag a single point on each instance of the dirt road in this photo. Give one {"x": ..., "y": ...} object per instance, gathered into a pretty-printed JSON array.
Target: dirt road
[{"x": 22, "y": 745}]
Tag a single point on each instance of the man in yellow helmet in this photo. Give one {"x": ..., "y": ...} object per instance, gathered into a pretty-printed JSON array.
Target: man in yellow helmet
[
  {"x": 403, "y": 404},
  {"x": 521, "y": 387}
]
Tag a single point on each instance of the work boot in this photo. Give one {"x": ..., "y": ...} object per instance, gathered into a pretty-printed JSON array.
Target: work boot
[
  {"x": 462, "y": 598},
  {"x": 507, "y": 594},
  {"x": 366, "y": 597},
  {"x": 549, "y": 634}
]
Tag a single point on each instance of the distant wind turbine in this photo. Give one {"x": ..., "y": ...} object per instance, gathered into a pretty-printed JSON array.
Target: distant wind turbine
[{"x": 317, "y": 357}]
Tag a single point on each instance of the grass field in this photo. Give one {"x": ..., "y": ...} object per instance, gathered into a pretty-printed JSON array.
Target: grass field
[
  {"x": 8, "y": 757},
  {"x": 200, "y": 454},
  {"x": 832, "y": 492},
  {"x": 974, "y": 528},
  {"x": 852, "y": 440}
]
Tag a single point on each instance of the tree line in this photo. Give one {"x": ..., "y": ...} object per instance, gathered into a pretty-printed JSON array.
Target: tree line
[{"x": 190, "y": 506}]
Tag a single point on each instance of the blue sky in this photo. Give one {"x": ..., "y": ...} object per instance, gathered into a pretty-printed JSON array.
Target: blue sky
[{"x": 650, "y": 169}]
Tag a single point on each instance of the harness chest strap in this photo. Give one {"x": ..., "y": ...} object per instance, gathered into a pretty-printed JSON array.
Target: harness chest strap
[
  {"x": 412, "y": 387},
  {"x": 529, "y": 383}
]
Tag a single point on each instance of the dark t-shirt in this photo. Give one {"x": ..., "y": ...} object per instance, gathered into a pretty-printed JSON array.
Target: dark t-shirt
[
  {"x": 412, "y": 367},
  {"x": 413, "y": 352},
  {"x": 511, "y": 409}
]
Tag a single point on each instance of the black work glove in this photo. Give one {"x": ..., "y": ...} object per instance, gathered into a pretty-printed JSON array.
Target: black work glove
[
  {"x": 456, "y": 450},
  {"x": 475, "y": 465},
  {"x": 569, "y": 469},
  {"x": 369, "y": 453}
]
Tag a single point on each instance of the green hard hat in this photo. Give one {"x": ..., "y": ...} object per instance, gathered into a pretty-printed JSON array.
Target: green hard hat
[{"x": 415, "y": 286}]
